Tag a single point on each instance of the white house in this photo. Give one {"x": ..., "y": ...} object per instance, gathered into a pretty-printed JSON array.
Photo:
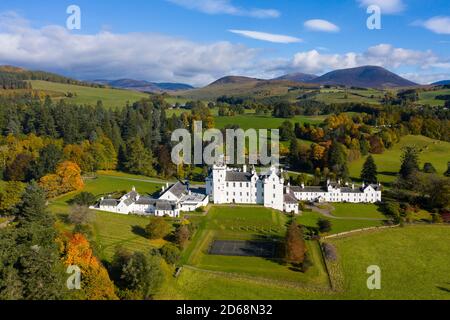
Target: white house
[
  {"x": 171, "y": 202},
  {"x": 229, "y": 185},
  {"x": 335, "y": 192}
]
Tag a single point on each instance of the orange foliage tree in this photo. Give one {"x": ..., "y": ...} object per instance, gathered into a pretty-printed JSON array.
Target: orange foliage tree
[
  {"x": 66, "y": 179},
  {"x": 95, "y": 281}
]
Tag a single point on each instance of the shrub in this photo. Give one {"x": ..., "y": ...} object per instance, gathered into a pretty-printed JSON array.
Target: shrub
[
  {"x": 158, "y": 228},
  {"x": 324, "y": 225},
  {"x": 170, "y": 253},
  {"x": 200, "y": 210},
  {"x": 80, "y": 215}
]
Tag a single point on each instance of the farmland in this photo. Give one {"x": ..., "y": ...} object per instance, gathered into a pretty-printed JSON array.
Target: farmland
[{"x": 111, "y": 98}]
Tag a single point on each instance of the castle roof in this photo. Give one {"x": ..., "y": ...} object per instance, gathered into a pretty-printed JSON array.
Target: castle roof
[{"x": 236, "y": 176}]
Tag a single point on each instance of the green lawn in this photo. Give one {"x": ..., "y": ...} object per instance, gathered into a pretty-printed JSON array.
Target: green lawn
[
  {"x": 309, "y": 219},
  {"x": 112, "y": 98},
  {"x": 413, "y": 262},
  {"x": 434, "y": 151},
  {"x": 250, "y": 223},
  {"x": 356, "y": 210}
]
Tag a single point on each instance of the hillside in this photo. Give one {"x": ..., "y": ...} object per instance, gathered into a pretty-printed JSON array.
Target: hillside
[
  {"x": 234, "y": 80},
  {"x": 364, "y": 77},
  {"x": 441, "y": 83},
  {"x": 144, "y": 86},
  {"x": 297, "y": 77},
  {"x": 111, "y": 98}
]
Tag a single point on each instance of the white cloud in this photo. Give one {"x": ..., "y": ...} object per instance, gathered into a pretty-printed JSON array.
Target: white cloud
[
  {"x": 426, "y": 78},
  {"x": 270, "y": 37},
  {"x": 109, "y": 55},
  {"x": 225, "y": 7},
  {"x": 321, "y": 25},
  {"x": 440, "y": 25},
  {"x": 387, "y": 6},
  {"x": 383, "y": 55}
]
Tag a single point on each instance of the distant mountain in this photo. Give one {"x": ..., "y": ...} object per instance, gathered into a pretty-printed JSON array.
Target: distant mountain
[
  {"x": 144, "y": 86},
  {"x": 441, "y": 83},
  {"x": 234, "y": 80},
  {"x": 297, "y": 77},
  {"x": 365, "y": 77}
]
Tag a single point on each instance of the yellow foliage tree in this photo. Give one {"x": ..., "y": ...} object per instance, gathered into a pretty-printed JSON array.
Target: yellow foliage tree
[{"x": 66, "y": 179}]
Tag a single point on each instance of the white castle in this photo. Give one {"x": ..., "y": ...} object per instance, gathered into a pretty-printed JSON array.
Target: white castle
[{"x": 229, "y": 185}]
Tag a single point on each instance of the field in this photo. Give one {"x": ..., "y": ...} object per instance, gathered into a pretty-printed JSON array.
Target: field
[
  {"x": 434, "y": 151},
  {"x": 429, "y": 97},
  {"x": 415, "y": 268},
  {"x": 370, "y": 96},
  {"x": 112, "y": 98},
  {"x": 253, "y": 121}
]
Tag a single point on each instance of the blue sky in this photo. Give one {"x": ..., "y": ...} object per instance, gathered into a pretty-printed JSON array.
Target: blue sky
[{"x": 197, "y": 41}]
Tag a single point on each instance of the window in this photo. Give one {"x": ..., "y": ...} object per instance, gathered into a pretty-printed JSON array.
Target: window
[
  {"x": 240, "y": 184},
  {"x": 274, "y": 187}
]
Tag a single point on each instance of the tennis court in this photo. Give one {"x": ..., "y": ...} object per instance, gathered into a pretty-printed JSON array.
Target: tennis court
[{"x": 263, "y": 249}]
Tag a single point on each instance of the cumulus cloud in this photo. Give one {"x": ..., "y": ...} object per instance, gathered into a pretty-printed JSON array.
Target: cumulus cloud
[
  {"x": 321, "y": 25},
  {"x": 427, "y": 78},
  {"x": 387, "y": 6},
  {"x": 270, "y": 37},
  {"x": 383, "y": 55},
  {"x": 111, "y": 55},
  {"x": 439, "y": 25},
  {"x": 225, "y": 7}
]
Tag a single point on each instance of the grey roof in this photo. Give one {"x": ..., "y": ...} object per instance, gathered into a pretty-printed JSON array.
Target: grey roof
[
  {"x": 309, "y": 189},
  {"x": 128, "y": 202},
  {"x": 288, "y": 198},
  {"x": 146, "y": 201},
  {"x": 109, "y": 202},
  {"x": 165, "y": 205},
  {"x": 132, "y": 195},
  {"x": 178, "y": 189},
  {"x": 236, "y": 176}
]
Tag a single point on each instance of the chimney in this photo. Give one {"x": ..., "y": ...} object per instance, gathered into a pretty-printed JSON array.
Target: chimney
[
  {"x": 244, "y": 168},
  {"x": 353, "y": 186},
  {"x": 163, "y": 188},
  {"x": 288, "y": 188},
  {"x": 133, "y": 189},
  {"x": 303, "y": 186},
  {"x": 167, "y": 185}
]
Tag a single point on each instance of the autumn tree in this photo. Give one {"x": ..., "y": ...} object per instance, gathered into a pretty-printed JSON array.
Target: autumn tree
[
  {"x": 95, "y": 281},
  {"x": 10, "y": 196},
  {"x": 369, "y": 171},
  {"x": 182, "y": 235},
  {"x": 66, "y": 179},
  {"x": 295, "y": 247}
]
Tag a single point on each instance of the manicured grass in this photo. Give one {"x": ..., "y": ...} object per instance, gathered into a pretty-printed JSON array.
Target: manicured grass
[
  {"x": 112, "y": 230},
  {"x": 434, "y": 151},
  {"x": 309, "y": 219},
  {"x": 250, "y": 223},
  {"x": 111, "y": 98},
  {"x": 356, "y": 210},
  {"x": 413, "y": 262}
]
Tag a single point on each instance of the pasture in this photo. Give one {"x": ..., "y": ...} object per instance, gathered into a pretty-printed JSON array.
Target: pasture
[
  {"x": 111, "y": 98},
  {"x": 356, "y": 210},
  {"x": 434, "y": 151},
  {"x": 429, "y": 97}
]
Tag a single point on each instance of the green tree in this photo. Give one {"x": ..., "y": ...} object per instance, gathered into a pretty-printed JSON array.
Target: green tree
[
  {"x": 84, "y": 199},
  {"x": 49, "y": 157},
  {"x": 10, "y": 196},
  {"x": 337, "y": 160},
  {"x": 324, "y": 225},
  {"x": 170, "y": 253},
  {"x": 410, "y": 162},
  {"x": 158, "y": 228},
  {"x": 139, "y": 160},
  {"x": 182, "y": 235},
  {"x": 369, "y": 171}
]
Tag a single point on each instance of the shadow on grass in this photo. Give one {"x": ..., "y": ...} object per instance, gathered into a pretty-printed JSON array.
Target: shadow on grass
[
  {"x": 444, "y": 289},
  {"x": 139, "y": 231}
]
